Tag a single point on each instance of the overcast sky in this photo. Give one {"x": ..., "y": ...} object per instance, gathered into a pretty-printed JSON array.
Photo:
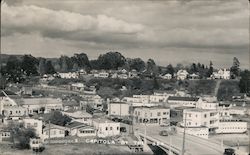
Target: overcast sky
[{"x": 169, "y": 31}]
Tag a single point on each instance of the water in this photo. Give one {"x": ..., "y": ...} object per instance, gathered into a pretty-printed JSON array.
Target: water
[{"x": 157, "y": 150}]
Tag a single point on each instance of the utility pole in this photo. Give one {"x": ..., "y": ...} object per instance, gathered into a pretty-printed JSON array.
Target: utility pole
[
  {"x": 49, "y": 132},
  {"x": 184, "y": 134}
]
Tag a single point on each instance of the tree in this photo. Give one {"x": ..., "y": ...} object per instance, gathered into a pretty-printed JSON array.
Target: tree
[
  {"x": 210, "y": 70},
  {"x": 12, "y": 70},
  {"x": 244, "y": 83},
  {"x": 170, "y": 69},
  {"x": 49, "y": 68},
  {"x": 29, "y": 65},
  {"x": 193, "y": 68},
  {"x": 58, "y": 118},
  {"x": 41, "y": 66},
  {"x": 81, "y": 60},
  {"x": 151, "y": 67},
  {"x": 111, "y": 60},
  {"x": 20, "y": 136},
  {"x": 138, "y": 64},
  {"x": 235, "y": 69}
]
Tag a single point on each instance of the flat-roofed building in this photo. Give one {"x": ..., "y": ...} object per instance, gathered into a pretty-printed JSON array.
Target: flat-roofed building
[
  {"x": 106, "y": 128},
  {"x": 231, "y": 126},
  {"x": 40, "y": 105},
  {"x": 118, "y": 109},
  {"x": 201, "y": 117},
  {"x": 183, "y": 101},
  {"x": 152, "y": 115}
]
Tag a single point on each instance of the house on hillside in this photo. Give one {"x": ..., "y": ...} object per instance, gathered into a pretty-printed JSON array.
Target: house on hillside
[
  {"x": 166, "y": 76},
  {"x": 221, "y": 74},
  {"x": 182, "y": 74}
]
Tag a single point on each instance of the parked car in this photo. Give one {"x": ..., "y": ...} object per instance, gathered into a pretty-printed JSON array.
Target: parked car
[
  {"x": 163, "y": 133},
  {"x": 229, "y": 151}
]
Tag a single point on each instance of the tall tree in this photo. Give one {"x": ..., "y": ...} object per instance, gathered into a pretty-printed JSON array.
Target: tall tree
[
  {"x": 41, "y": 67},
  {"x": 235, "y": 69},
  {"x": 170, "y": 69},
  {"x": 111, "y": 60},
  {"x": 29, "y": 65},
  {"x": 137, "y": 64},
  {"x": 210, "y": 70},
  {"x": 81, "y": 60},
  {"x": 244, "y": 83},
  {"x": 151, "y": 67},
  {"x": 49, "y": 68},
  {"x": 12, "y": 70}
]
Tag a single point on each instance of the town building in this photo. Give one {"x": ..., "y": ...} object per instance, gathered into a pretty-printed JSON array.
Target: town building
[
  {"x": 201, "y": 118},
  {"x": 42, "y": 105},
  {"x": 178, "y": 101},
  {"x": 231, "y": 126},
  {"x": 106, "y": 128},
  {"x": 79, "y": 116},
  {"x": 35, "y": 124},
  {"x": 80, "y": 129},
  {"x": 152, "y": 115},
  {"x": 118, "y": 109},
  {"x": 53, "y": 131}
]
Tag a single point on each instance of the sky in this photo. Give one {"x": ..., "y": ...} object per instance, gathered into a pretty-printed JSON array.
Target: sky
[{"x": 168, "y": 31}]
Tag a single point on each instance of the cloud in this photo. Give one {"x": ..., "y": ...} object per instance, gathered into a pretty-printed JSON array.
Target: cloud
[
  {"x": 33, "y": 18},
  {"x": 195, "y": 28}
]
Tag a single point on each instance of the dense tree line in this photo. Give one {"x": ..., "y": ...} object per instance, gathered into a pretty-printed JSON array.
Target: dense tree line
[{"x": 16, "y": 69}]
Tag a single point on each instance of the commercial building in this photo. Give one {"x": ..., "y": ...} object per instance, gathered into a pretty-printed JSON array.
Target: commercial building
[
  {"x": 152, "y": 115},
  {"x": 118, "y": 109}
]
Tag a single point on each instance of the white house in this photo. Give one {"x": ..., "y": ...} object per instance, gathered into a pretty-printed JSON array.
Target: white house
[
  {"x": 106, "y": 128},
  {"x": 152, "y": 115},
  {"x": 182, "y": 74},
  {"x": 221, "y": 74},
  {"x": 166, "y": 76},
  {"x": 119, "y": 109},
  {"x": 77, "y": 86},
  {"x": 122, "y": 76},
  {"x": 69, "y": 75},
  {"x": 53, "y": 131},
  {"x": 36, "y": 124},
  {"x": 80, "y": 129},
  {"x": 79, "y": 116},
  {"x": 102, "y": 74},
  {"x": 194, "y": 76}
]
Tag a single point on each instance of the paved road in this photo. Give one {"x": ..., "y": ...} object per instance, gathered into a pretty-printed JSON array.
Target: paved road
[{"x": 193, "y": 145}]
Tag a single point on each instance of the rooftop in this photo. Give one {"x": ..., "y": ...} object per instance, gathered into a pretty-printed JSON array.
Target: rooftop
[
  {"x": 75, "y": 124},
  {"x": 179, "y": 98}
]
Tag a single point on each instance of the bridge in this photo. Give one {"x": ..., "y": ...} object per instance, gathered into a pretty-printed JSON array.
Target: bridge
[{"x": 193, "y": 145}]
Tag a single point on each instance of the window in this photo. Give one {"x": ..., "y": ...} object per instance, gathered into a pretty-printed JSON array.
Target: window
[
  {"x": 117, "y": 128},
  {"x": 164, "y": 113},
  {"x": 111, "y": 128},
  {"x": 35, "y": 124},
  {"x": 158, "y": 113},
  {"x": 106, "y": 128},
  {"x": 205, "y": 115}
]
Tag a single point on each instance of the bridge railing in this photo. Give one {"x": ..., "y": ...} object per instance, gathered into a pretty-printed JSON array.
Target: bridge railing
[{"x": 167, "y": 146}]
